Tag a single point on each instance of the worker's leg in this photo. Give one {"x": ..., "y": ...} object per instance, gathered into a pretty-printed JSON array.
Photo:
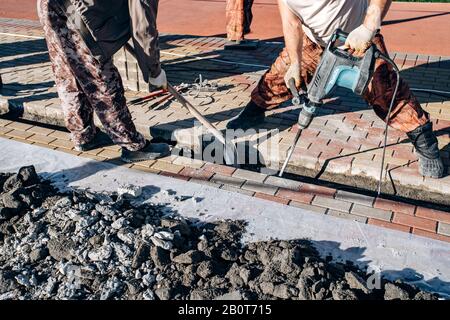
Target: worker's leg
[
  {"x": 248, "y": 15},
  {"x": 407, "y": 114},
  {"x": 100, "y": 81},
  {"x": 78, "y": 113},
  {"x": 235, "y": 20},
  {"x": 271, "y": 90}
]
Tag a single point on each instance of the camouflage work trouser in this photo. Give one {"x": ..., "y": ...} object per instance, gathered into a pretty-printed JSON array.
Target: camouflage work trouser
[
  {"x": 406, "y": 115},
  {"x": 86, "y": 85},
  {"x": 239, "y": 18}
]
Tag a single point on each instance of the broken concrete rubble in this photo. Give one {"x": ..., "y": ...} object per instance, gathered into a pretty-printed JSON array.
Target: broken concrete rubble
[{"x": 81, "y": 245}]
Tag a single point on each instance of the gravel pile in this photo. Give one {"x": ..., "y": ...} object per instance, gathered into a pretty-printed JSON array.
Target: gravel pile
[{"x": 83, "y": 245}]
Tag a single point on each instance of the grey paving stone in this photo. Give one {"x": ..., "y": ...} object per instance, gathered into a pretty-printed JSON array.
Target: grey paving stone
[
  {"x": 332, "y": 204},
  {"x": 308, "y": 207},
  {"x": 238, "y": 190},
  {"x": 348, "y": 216},
  {"x": 355, "y": 198},
  {"x": 249, "y": 175},
  {"x": 283, "y": 183},
  {"x": 227, "y": 180},
  {"x": 371, "y": 212},
  {"x": 444, "y": 229},
  {"x": 259, "y": 187}
]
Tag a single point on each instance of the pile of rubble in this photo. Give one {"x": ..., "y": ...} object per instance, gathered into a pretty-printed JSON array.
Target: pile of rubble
[{"x": 84, "y": 245}]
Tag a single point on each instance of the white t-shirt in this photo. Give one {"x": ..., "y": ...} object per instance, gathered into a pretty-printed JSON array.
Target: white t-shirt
[{"x": 320, "y": 18}]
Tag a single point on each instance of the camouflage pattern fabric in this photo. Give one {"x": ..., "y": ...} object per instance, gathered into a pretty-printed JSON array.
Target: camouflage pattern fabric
[
  {"x": 407, "y": 114},
  {"x": 85, "y": 85},
  {"x": 239, "y": 18}
]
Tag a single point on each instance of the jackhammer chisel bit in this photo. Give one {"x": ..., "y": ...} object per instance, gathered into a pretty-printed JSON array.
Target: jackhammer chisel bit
[{"x": 296, "y": 101}]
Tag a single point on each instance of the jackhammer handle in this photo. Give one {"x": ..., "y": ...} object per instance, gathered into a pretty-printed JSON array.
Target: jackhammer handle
[{"x": 294, "y": 91}]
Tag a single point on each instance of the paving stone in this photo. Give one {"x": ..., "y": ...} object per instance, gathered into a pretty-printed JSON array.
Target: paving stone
[
  {"x": 41, "y": 139},
  {"x": 5, "y": 130},
  {"x": 220, "y": 169},
  {"x": 227, "y": 180},
  {"x": 394, "y": 206},
  {"x": 167, "y": 167},
  {"x": 145, "y": 168},
  {"x": 308, "y": 207},
  {"x": 271, "y": 198},
  {"x": 187, "y": 162},
  {"x": 333, "y": 204},
  {"x": 19, "y": 134},
  {"x": 249, "y": 175},
  {"x": 432, "y": 214},
  {"x": 19, "y": 126},
  {"x": 60, "y": 135},
  {"x": 283, "y": 183},
  {"x": 432, "y": 235},
  {"x": 259, "y": 187},
  {"x": 318, "y": 190},
  {"x": 295, "y": 195},
  {"x": 238, "y": 190},
  {"x": 40, "y": 130},
  {"x": 109, "y": 154},
  {"x": 389, "y": 225},
  {"x": 371, "y": 212},
  {"x": 416, "y": 222},
  {"x": 174, "y": 175},
  {"x": 444, "y": 229},
  {"x": 344, "y": 215},
  {"x": 355, "y": 198},
  {"x": 199, "y": 174}
]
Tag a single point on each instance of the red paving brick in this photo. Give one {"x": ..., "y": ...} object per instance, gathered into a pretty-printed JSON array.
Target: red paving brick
[
  {"x": 433, "y": 214},
  {"x": 394, "y": 206},
  {"x": 317, "y": 190},
  {"x": 271, "y": 198},
  {"x": 389, "y": 225},
  {"x": 216, "y": 168},
  {"x": 199, "y": 174},
  {"x": 432, "y": 235},
  {"x": 295, "y": 195},
  {"x": 416, "y": 222}
]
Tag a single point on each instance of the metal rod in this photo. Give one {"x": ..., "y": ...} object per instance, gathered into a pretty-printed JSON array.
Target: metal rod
[
  {"x": 230, "y": 159},
  {"x": 230, "y": 152},
  {"x": 290, "y": 152}
]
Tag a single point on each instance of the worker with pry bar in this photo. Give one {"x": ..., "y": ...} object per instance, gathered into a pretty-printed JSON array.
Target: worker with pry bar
[
  {"x": 82, "y": 36},
  {"x": 307, "y": 26}
]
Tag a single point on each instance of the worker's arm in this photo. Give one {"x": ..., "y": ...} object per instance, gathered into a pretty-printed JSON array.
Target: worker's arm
[
  {"x": 145, "y": 39},
  {"x": 359, "y": 40},
  {"x": 293, "y": 38}
]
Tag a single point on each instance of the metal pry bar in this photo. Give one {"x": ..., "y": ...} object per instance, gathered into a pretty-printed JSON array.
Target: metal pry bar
[{"x": 230, "y": 152}]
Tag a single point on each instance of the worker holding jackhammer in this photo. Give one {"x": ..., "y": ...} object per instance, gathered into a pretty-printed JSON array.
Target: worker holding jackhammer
[
  {"x": 239, "y": 18},
  {"x": 82, "y": 36},
  {"x": 307, "y": 27}
]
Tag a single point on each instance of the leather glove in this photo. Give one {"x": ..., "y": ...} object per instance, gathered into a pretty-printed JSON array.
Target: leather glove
[
  {"x": 359, "y": 40},
  {"x": 293, "y": 72},
  {"x": 160, "y": 81}
]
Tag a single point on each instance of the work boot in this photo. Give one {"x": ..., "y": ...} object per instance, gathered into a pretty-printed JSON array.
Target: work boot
[
  {"x": 151, "y": 151},
  {"x": 99, "y": 140},
  {"x": 426, "y": 145},
  {"x": 249, "y": 117}
]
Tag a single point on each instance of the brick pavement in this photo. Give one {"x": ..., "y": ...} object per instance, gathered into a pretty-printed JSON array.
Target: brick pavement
[
  {"x": 343, "y": 141},
  {"x": 405, "y": 217}
]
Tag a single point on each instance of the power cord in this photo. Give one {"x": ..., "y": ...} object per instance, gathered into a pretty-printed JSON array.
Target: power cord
[{"x": 379, "y": 54}]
